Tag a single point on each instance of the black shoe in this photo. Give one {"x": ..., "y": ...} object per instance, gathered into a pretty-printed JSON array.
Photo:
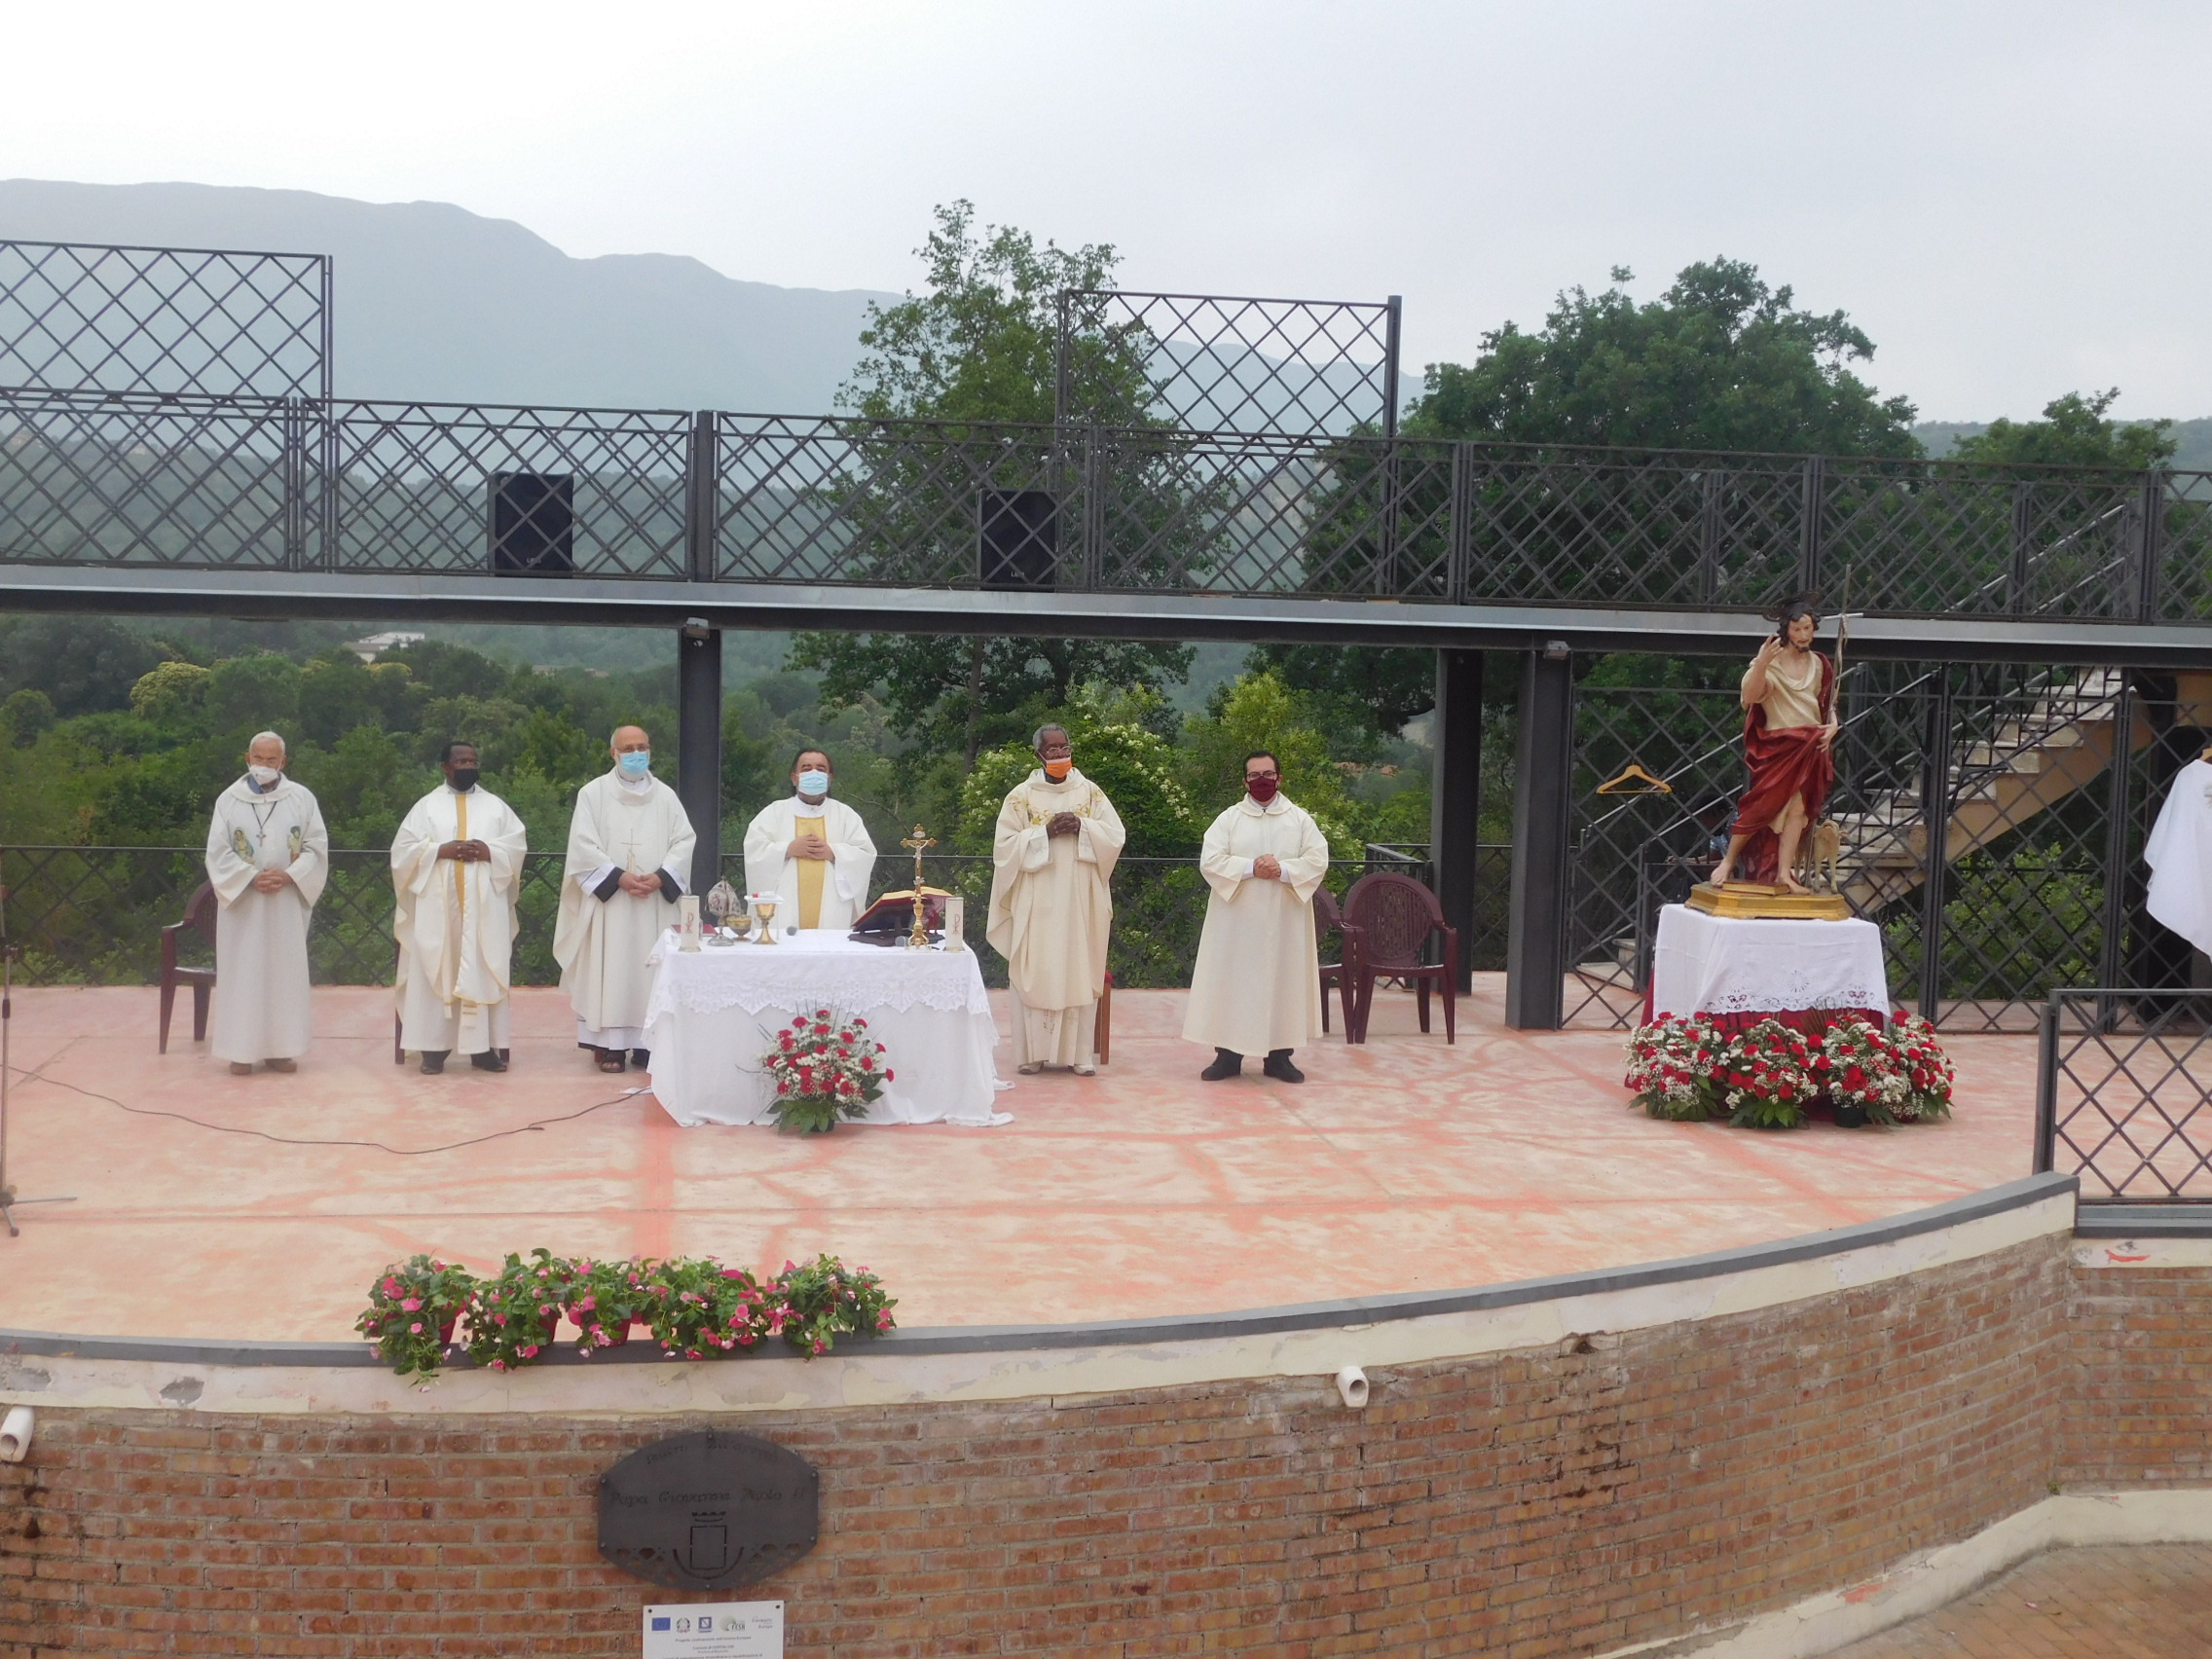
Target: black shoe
[
  {"x": 488, "y": 1060},
  {"x": 434, "y": 1061},
  {"x": 1280, "y": 1068},
  {"x": 1225, "y": 1064},
  {"x": 641, "y": 1060}
]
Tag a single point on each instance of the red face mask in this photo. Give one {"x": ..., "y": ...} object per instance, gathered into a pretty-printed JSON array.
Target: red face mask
[{"x": 1261, "y": 789}]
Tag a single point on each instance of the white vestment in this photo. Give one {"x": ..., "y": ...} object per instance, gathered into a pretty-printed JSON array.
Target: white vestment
[
  {"x": 261, "y": 938},
  {"x": 455, "y": 921},
  {"x": 2179, "y": 853},
  {"x": 1051, "y": 912},
  {"x": 844, "y": 879},
  {"x": 1257, "y": 986},
  {"x": 601, "y": 944}
]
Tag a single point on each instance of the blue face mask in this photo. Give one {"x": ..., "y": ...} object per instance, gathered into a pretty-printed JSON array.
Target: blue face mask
[
  {"x": 814, "y": 783},
  {"x": 637, "y": 763}
]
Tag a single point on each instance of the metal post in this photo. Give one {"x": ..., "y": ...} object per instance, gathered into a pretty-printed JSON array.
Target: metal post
[
  {"x": 1394, "y": 311},
  {"x": 2046, "y": 1086},
  {"x": 1712, "y": 496},
  {"x": 1456, "y": 795},
  {"x": 1535, "y": 947},
  {"x": 1060, "y": 370},
  {"x": 2023, "y": 525},
  {"x": 702, "y": 497},
  {"x": 2111, "y": 956},
  {"x": 1812, "y": 504},
  {"x": 2152, "y": 544},
  {"x": 1461, "y": 532},
  {"x": 1935, "y": 814},
  {"x": 295, "y": 476},
  {"x": 699, "y": 745}
]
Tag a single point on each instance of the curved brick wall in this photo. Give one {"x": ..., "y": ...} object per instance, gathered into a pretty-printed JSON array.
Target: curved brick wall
[{"x": 1611, "y": 1485}]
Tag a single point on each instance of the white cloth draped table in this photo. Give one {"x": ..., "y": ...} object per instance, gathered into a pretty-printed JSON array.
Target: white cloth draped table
[
  {"x": 715, "y": 1011},
  {"x": 1704, "y": 964}
]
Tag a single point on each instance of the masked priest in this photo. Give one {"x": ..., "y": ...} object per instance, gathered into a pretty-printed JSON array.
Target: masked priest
[
  {"x": 629, "y": 861},
  {"x": 268, "y": 857},
  {"x": 455, "y": 867},
  {"x": 1051, "y": 908},
  {"x": 1257, "y": 986},
  {"x": 812, "y": 851}
]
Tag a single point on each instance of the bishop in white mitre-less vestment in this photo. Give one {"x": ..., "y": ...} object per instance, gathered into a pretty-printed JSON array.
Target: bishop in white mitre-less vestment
[
  {"x": 2179, "y": 853},
  {"x": 1257, "y": 986},
  {"x": 455, "y": 920},
  {"x": 264, "y": 823},
  {"x": 1051, "y": 908},
  {"x": 629, "y": 824},
  {"x": 830, "y": 891}
]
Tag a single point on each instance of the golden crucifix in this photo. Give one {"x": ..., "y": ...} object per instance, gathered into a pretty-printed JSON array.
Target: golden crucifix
[{"x": 918, "y": 937}]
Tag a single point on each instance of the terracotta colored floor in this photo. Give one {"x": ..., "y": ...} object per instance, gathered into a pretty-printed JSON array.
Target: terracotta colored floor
[
  {"x": 1400, "y": 1165},
  {"x": 2146, "y": 1601}
]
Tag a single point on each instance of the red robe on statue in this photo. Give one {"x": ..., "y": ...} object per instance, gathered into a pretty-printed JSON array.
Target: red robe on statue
[{"x": 1785, "y": 762}]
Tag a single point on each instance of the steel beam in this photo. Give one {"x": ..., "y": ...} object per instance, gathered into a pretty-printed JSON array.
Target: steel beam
[
  {"x": 1543, "y": 764},
  {"x": 699, "y": 746},
  {"x": 397, "y": 598},
  {"x": 1456, "y": 795}
]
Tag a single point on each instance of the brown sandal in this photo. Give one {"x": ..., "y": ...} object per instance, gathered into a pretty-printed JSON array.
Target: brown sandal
[{"x": 611, "y": 1059}]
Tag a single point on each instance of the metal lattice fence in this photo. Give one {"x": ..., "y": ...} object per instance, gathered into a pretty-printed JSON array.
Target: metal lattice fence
[{"x": 2124, "y": 1094}]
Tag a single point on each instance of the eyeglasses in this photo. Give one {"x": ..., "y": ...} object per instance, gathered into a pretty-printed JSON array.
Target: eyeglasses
[{"x": 1250, "y": 776}]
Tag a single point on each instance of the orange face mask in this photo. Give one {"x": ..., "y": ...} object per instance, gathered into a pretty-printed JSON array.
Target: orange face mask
[{"x": 1058, "y": 769}]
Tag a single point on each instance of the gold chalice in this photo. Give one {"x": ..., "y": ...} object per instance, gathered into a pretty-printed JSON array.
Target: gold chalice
[{"x": 765, "y": 908}]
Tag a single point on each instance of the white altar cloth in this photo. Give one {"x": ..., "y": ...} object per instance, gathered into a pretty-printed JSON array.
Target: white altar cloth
[
  {"x": 1703, "y": 964},
  {"x": 715, "y": 1011}
]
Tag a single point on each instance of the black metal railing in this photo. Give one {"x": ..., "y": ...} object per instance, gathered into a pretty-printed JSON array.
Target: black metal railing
[
  {"x": 2123, "y": 1095},
  {"x": 93, "y": 915},
  {"x": 96, "y": 478}
]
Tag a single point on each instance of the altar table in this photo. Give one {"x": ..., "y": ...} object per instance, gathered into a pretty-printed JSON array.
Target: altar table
[
  {"x": 715, "y": 1011},
  {"x": 1729, "y": 965}
]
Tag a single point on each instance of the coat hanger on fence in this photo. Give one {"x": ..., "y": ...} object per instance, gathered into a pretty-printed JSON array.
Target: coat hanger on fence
[{"x": 1634, "y": 780}]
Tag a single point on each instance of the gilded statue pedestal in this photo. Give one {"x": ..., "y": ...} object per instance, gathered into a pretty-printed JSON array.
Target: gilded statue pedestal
[{"x": 1766, "y": 902}]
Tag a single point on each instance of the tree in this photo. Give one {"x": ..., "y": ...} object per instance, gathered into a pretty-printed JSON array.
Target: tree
[
  {"x": 978, "y": 346},
  {"x": 1719, "y": 361},
  {"x": 2073, "y": 431}
]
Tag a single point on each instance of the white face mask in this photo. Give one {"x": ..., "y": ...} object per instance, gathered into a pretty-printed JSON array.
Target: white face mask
[
  {"x": 814, "y": 783},
  {"x": 264, "y": 775}
]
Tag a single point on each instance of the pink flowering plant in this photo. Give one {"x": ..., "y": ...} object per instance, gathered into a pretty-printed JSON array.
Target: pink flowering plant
[
  {"x": 1765, "y": 1077},
  {"x": 812, "y": 1305},
  {"x": 1927, "y": 1069},
  {"x": 702, "y": 1309},
  {"x": 603, "y": 1299},
  {"x": 1855, "y": 1064},
  {"x": 1670, "y": 1065},
  {"x": 825, "y": 1068},
  {"x": 412, "y": 1310},
  {"x": 512, "y": 1318}
]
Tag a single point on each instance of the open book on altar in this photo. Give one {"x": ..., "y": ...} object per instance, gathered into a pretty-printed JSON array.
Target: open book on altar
[{"x": 890, "y": 918}]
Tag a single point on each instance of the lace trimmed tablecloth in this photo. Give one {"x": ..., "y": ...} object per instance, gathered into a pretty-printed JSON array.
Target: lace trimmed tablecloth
[
  {"x": 715, "y": 1011},
  {"x": 1703, "y": 964}
]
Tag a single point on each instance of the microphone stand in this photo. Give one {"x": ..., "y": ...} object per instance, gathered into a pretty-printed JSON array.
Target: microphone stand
[{"x": 7, "y": 1200}]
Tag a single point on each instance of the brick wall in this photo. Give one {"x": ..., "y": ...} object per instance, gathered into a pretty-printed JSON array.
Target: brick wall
[
  {"x": 1615, "y": 1489},
  {"x": 2140, "y": 1412}
]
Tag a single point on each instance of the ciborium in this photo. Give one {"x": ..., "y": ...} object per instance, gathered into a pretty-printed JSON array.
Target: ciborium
[{"x": 723, "y": 902}]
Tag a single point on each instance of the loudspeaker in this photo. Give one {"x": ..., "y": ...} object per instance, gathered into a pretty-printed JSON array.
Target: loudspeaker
[
  {"x": 534, "y": 524},
  {"x": 1019, "y": 540}
]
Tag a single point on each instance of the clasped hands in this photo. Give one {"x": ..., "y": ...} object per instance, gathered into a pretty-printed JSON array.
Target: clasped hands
[
  {"x": 1266, "y": 867},
  {"x": 641, "y": 886},
  {"x": 270, "y": 880},
  {"x": 1062, "y": 824},
  {"x": 811, "y": 845},
  {"x": 466, "y": 852}
]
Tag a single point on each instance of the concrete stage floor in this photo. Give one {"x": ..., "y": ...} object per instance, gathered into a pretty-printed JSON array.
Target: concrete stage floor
[{"x": 1401, "y": 1165}]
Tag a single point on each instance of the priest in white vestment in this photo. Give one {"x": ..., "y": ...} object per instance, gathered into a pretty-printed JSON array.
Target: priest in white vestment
[
  {"x": 1257, "y": 986},
  {"x": 629, "y": 861},
  {"x": 812, "y": 851},
  {"x": 1051, "y": 908},
  {"x": 268, "y": 857},
  {"x": 2179, "y": 853},
  {"x": 456, "y": 870}
]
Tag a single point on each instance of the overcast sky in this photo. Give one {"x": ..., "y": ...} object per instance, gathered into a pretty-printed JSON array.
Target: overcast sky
[{"x": 2008, "y": 197}]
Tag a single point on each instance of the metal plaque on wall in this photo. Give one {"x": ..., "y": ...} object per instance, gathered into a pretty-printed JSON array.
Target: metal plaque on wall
[{"x": 709, "y": 1510}]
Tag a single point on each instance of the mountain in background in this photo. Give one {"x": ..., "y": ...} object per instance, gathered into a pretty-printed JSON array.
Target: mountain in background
[
  {"x": 2193, "y": 438},
  {"x": 438, "y": 304}
]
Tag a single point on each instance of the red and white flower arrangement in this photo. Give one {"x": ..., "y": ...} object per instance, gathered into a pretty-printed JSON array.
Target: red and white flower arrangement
[
  {"x": 1683, "y": 1067},
  {"x": 1670, "y": 1064},
  {"x": 1860, "y": 1067},
  {"x": 1765, "y": 1077},
  {"x": 1927, "y": 1069},
  {"x": 825, "y": 1069}
]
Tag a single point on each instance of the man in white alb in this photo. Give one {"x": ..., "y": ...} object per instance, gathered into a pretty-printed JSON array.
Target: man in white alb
[
  {"x": 1257, "y": 986},
  {"x": 1051, "y": 907},
  {"x": 2179, "y": 853},
  {"x": 456, "y": 866},
  {"x": 629, "y": 861},
  {"x": 268, "y": 857},
  {"x": 812, "y": 851}
]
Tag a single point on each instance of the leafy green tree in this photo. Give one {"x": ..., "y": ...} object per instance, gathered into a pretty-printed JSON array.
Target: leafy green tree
[
  {"x": 977, "y": 345},
  {"x": 1137, "y": 769},
  {"x": 253, "y": 693},
  {"x": 1372, "y": 690},
  {"x": 82, "y": 663},
  {"x": 1719, "y": 361},
  {"x": 2073, "y": 431},
  {"x": 24, "y": 715},
  {"x": 1260, "y": 712}
]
